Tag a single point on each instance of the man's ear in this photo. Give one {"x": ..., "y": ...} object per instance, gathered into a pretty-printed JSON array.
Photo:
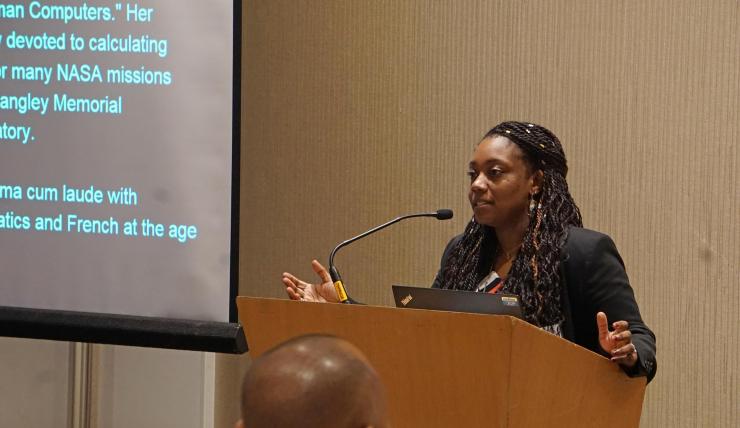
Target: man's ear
[
  {"x": 239, "y": 424},
  {"x": 537, "y": 179}
]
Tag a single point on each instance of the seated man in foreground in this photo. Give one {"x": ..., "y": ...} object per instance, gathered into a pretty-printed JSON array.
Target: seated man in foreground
[{"x": 313, "y": 381}]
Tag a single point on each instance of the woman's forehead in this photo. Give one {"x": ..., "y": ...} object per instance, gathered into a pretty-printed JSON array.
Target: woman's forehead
[{"x": 496, "y": 148}]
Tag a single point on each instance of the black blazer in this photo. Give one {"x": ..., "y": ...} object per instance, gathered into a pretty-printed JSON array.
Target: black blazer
[{"x": 594, "y": 279}]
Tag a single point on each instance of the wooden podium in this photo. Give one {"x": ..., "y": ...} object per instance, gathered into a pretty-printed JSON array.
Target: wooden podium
[{"x": 449, "y": 369}]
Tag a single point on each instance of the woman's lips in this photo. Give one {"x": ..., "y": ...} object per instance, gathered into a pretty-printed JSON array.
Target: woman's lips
[{"x": 482, "y": 206}]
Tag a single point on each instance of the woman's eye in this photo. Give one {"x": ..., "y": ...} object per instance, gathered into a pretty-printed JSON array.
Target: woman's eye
[
  {"x": 472, "y": 175},
  {"x": 494, "y": 172}
]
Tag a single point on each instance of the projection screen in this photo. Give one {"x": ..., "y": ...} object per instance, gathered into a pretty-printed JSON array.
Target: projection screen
[{"x": 119, "y": 140}]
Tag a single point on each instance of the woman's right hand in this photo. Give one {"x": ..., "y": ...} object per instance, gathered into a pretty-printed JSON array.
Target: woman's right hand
[{"x": 302, "y": 290}]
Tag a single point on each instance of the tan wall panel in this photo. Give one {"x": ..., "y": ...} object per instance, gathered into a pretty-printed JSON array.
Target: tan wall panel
[{"x": 357, "y": 111}]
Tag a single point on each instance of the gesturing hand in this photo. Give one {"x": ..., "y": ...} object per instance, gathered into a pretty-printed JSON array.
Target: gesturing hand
[
  {"x": 301, "y": 290},
  {"x": 618, "y": 343}
]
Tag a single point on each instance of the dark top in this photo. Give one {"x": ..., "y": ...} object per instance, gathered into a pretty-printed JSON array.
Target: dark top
[{"x": 594, "y": 279}]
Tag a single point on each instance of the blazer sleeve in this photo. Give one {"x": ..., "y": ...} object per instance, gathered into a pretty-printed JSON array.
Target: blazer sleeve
[
  {"x": 606, "y": 288},
  {"x": 445, "y": 256}
]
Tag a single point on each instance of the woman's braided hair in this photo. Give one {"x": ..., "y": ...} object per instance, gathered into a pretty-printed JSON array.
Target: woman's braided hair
[{"x": 534, "y": 275}]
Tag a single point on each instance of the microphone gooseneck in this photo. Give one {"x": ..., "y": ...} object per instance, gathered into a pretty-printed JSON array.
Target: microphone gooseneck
[{"x": 443, "y": 214}]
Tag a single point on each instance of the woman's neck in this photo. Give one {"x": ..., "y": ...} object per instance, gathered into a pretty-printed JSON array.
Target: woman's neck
[{"x": 510, "y": 237}]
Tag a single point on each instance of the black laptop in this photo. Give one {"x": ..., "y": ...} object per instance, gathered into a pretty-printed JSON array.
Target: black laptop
[{"x": 456, "y": 301}]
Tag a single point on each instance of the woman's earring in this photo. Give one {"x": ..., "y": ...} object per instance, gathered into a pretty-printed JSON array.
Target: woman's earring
[{"x": 532, "y": 204}]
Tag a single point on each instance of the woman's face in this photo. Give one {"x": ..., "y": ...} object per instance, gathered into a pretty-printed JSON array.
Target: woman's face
[{"x": 501, "y": 182}]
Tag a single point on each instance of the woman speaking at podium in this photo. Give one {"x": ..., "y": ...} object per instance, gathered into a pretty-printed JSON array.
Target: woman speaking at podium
[{"x": 526, "y": 238}]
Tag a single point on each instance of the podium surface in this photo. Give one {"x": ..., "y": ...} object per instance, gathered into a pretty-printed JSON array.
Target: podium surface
[{"x": 449, "y": 369}]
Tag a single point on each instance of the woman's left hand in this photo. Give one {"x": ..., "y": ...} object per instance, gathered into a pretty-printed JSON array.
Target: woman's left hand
[{"x": 618, "y": 343}]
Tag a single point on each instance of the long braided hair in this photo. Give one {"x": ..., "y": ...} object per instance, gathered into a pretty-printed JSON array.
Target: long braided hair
[{"x": 534, "y": 275}]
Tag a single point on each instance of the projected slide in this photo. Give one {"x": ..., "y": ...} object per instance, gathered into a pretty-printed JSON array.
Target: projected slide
[{"x": 116, "y": 156}]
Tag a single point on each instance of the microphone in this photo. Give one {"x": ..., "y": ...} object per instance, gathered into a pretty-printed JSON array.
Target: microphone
[{"x": 443, "y": 214}]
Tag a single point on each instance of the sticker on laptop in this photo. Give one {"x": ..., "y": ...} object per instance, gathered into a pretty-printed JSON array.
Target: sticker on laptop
[{"x": 509, "y": 301}]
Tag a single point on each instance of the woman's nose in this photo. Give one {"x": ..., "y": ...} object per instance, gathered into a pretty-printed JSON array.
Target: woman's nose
[{"x": 478, "y": 184}]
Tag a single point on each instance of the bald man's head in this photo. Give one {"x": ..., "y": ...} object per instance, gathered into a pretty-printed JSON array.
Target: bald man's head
[{"x": 313, "y": 381}]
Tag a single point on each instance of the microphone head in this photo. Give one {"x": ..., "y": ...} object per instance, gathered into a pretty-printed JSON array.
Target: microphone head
[{"x": 444, "y": 214}]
